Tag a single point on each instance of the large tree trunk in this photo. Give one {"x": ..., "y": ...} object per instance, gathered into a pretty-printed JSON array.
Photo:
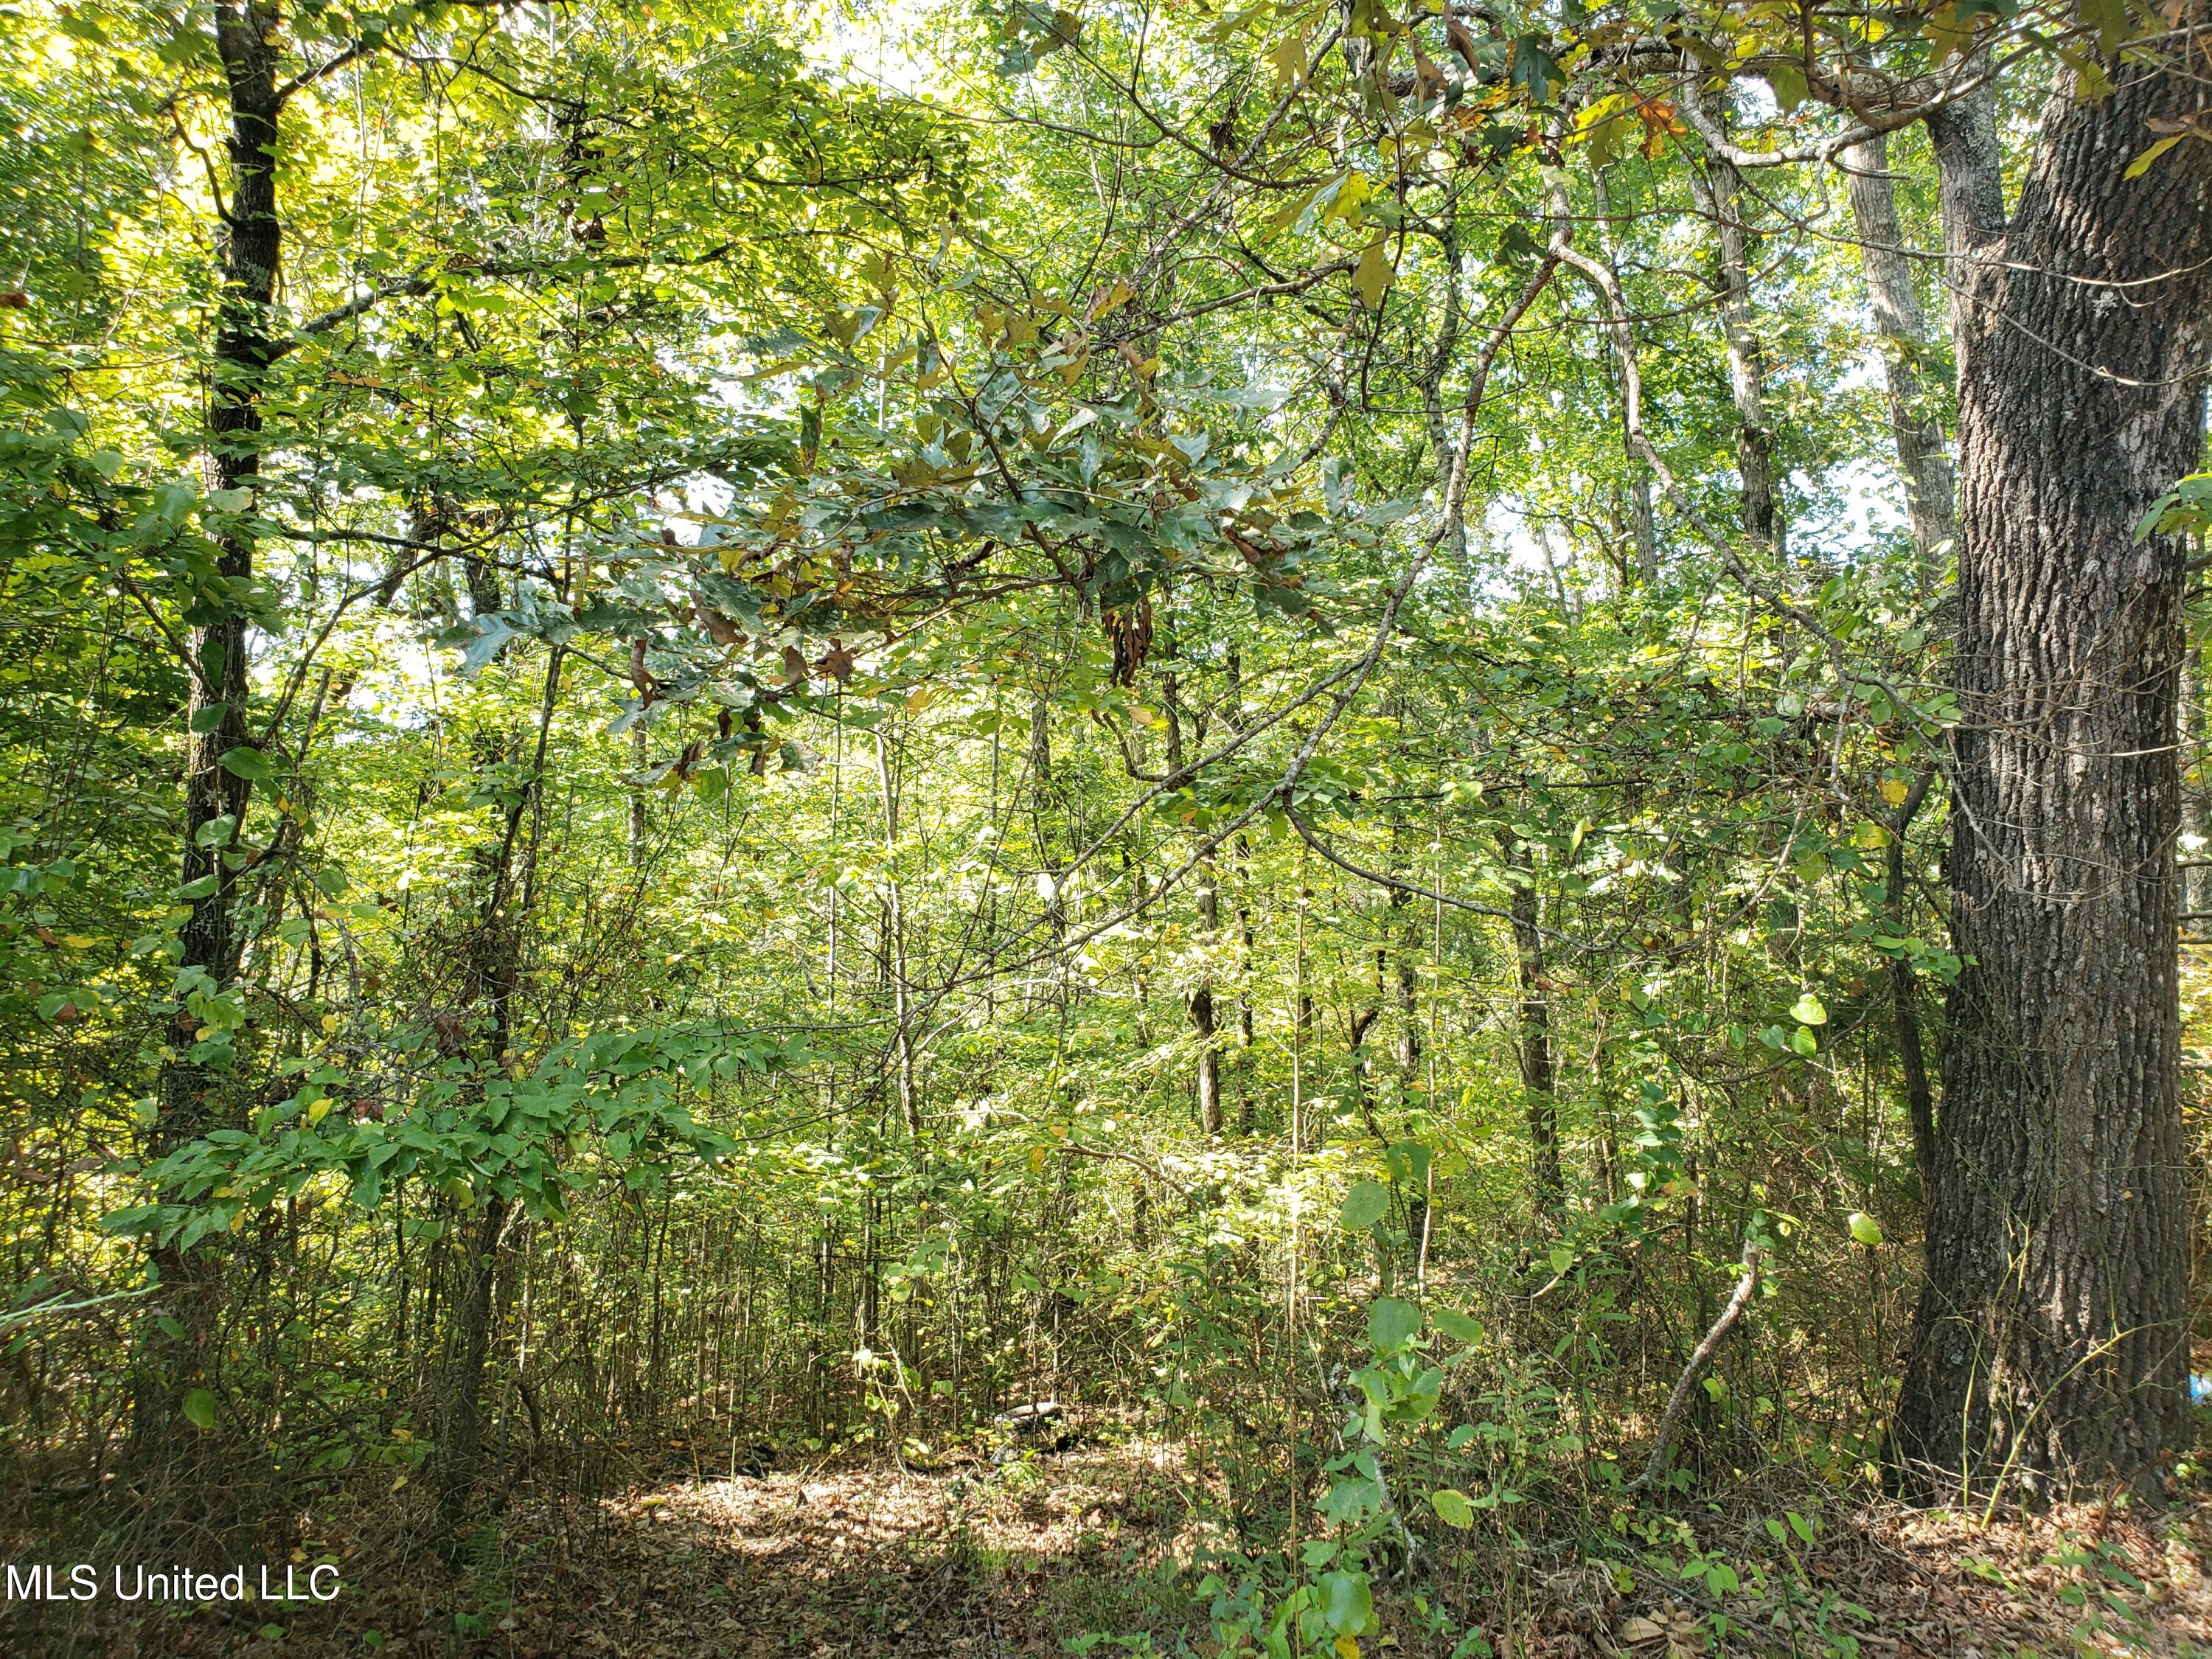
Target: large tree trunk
[{"x": 2050, "y": 1339}]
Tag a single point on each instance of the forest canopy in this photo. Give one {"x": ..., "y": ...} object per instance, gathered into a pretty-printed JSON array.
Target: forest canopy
[{"x": 1430, "y": 774}]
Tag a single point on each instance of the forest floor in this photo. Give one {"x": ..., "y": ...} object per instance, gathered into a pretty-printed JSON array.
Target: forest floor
[{"x": 973, "y": 1562}]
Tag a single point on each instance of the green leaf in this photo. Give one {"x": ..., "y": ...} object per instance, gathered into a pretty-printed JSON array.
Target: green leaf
[
  {"x": 1392, "y": 1323},
  {"x": 1534, "y": 68},
  {"x": 1804, "y": 1043},
  {"x": 1367, "y": 1204},
  {"x": 2110, "y": 19},
  {"x": 1864, "y": 1228},
  {"x": 248, "y": 763},
  {"x": 331, "y": 879},
  {"x": 1791, "y": 87},
  {"x": 1808, "y": 1011},
  {"x": 1346, "y": 1603},
  {"x": 1452, "y": 1508},
  {"x": 1457, "y": 1325},
  {"x": 199, "y": 1407},
  {"x": 488, "y": 637}
]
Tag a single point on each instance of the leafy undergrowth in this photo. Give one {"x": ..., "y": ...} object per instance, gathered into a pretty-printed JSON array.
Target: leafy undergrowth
[{"x": 973, "y": 1562}]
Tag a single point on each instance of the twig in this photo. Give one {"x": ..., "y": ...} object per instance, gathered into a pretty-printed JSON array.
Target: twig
[
  {"x": 1134, "y": 1161},
  {"x": 1678, "y": 1403}
]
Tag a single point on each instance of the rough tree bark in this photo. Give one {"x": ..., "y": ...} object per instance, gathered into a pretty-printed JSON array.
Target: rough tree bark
[{"x": 2050, "y": 1343}]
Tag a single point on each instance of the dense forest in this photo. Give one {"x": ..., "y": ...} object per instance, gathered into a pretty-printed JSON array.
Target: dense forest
[{"x": 1280, "y": 830}]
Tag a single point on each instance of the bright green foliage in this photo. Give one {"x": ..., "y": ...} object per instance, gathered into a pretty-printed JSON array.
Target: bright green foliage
[{"x": 816, "y": 657}]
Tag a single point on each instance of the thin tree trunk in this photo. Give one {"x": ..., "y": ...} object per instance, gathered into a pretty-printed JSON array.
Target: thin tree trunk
[
  {"x": 1055, "y": 905},
  {"x": 2050, "y": 1339},
  {"x": 1232, "y": 703},
  {"x": 1199, "y": 1000},
  {"x": 2196, "y": 822},
  {"x": 1904, "y": 996},
  {"x": 909, "y": 1094},
  {"x": 1408, "y": 977},
  {"x": 1721, "y": 191},
  {"x": 1643, "y": 532},
  {"x": 461, "y": 1452},
  {"x": 166, "y": 1367},
  {"x": 639, "y": 823},
  {"x": 1915, "y": 429},
  {"x": 498, "y": 949},
  {"x": 1538, "y": 1082},
  {"x": 1442, "y": 440}
]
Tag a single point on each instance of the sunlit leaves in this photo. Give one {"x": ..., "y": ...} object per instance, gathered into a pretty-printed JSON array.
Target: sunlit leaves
[{"x": 1364, "y": 1205}]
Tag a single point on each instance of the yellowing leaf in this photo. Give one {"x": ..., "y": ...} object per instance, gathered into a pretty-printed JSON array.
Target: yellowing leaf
[
  {"x": 1947, "y": 32},
  {"x": 2143, "y": 163},
  {"x": 1111, "y": 297},
  {"x": 1348, "y": 199},
  {"x": 1894, "y": 790},
  {"x": 319, "y": 1111},
  {"x": 1604, "y": 126},
  {"x": 1288, "y": 215},
  {"x": 1452, "y": 1508},
  {"x": 1373, "y": 276}
]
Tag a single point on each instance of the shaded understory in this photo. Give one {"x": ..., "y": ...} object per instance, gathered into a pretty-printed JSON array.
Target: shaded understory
[{"x": 990, "y": 1562}]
